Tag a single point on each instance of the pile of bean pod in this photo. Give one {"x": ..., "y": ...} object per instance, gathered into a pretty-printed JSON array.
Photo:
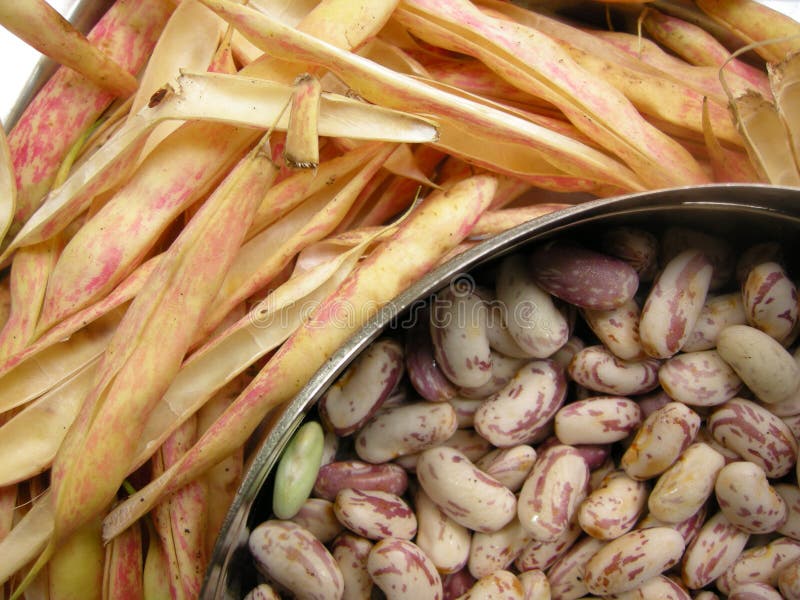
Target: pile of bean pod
[{"x": 611, "y": 418}]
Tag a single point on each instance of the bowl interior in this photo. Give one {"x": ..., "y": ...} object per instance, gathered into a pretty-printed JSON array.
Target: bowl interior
[{"x": 743, "y": 214}]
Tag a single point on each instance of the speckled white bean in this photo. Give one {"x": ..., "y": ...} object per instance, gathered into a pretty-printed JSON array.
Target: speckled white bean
[
  {"x": 290, "y": 555},
  {"x": 612, "y": 509},
  {"x": 444, "y": 541},
  {"x": 262, "y": 591},
  {"x": 490, "y": 552},
  {"x": 317, "y": 515},
  {"x": 755, "y": 434},
  {"x": 760, "y": 564},
  {"x": 766, "y": 367},
  {"x": 404, "y": 430},
  {"x": 541, "y": 555},
  {"x": 533, "y": 319},
  {"x": 719, "y": 252},
  {"x": 770, "y": 300},
  {"x": 660, "y": 587},
  {"x": 717, "y": 313},
  {"x": 375, "y": 515},
  {"x": 791, "y": 405},
  {"x": 790, "y": 493},
  {"x": 618, "y": 329},
  {"x": 465, "y": 410},
  {"x": 597, "y": 369},
  {"x": 503, "y": 369},
  {"x": 567, "y": 581},
  {"x": 564, "y": 355},
  {"x": 535, "y": 585},
  {"x": 637, "y": 247},
  {"x": 510, "y": 466},
  {"x": 519, "y": 411},
  {"x": 681, "y": 490},
  {"x": 351, "y": 551},
  {"x": 401, "y": 570},
  {"x": 688, "y": 528},
  {"x": 465, "y": 493},
  {"x": 789, "y": 581},
  {"x": 551, "y": 494},
  {"x": 746, "y": 497},
  {"x": 460, "y": 341},
  {"x": 673, "y": 304},
  {"x": 360, "y": 391},
  {"x": 498, "y": 585},
  {"x": 597, "y": 420},
  {"x": 754, "y": 591},
  {"x": 699, "y": 378},
  {"x": 713, "y": 550},
  {"x": 661, "y": 439},
  {"x": 756, "y": 254},
  {"x": 627, "y": 562}
]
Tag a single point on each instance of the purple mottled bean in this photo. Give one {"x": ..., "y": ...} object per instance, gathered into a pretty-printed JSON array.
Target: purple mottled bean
[
  {"x": 699, "y": 378},
  {"x": 790, "y": 493},
  {"x": 583, "y": 277},
  {"x": 688, "y": 528},
  {"x": 745, "y": 496},
  {"x": 401, "y": 570},
  {"x": 359, "y": 475},
  {"x": 789, "y": 581},
  {"x": 465, "y": 410},
  {"x": 351, "y": 551},
  {"x": 510, "y": 466},
  {"x": 755, "y": 255},
  {"x": 443, "y": 540},
  {"x": 498, "y": 585},
  {"x": 535, "y": 585},
  {"x": 761, "y": 564},
  {"x": 660, "y": 586},
  {"x": 503, "y": 369},
  {"x": 424, "y": 373},
  {"x": 612, "y": 509},
  {"x": 618, "y": 329},
  {"x": 567, "y": 581},
  {"x": 317, "y": 515},
  {"x": 718, "y": 312},
  {"x": 458, "y": 583},
  {"x": 490, "y": 552},
  {"x": 719, "y": 252},
  {"x": 597, "y": 420},
  {"x": 770, "y": 300},
  {"x": 637, "y": 247},
  {"x": 715, "y": 548},
  {"x": 597, "y": 369},
  {"x": 262, "y": 591},
  {"x": 541, "y": 555},
  {"x": 754, "y": 591},
  {"x": 564, "y": 355},
  {"x": 375, "y": 515}
]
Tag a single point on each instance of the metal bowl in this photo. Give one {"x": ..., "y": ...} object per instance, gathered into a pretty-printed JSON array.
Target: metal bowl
[{"x": 743, "y": 214}]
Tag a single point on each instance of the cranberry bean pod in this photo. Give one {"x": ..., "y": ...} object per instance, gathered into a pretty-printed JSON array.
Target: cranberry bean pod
[
  {"x": 627, "y": 562},
  {"x": 662, "y": 438},
  {"x": 718, "y": 312},
  {"x": 612, "y": 509},
  {"x": 770, "y": 300},
  {"x": 761, "y": 564},
  {"x": 765, "y": 366},
  {"x": 755, "y": 434},
  {"x": 401, "y": 570},
  {"x": 673, "y": 304},
  {"x": 637, "y": 247},
  {"x": 713, "y": 550},
  {"x": 748, "y": 500},
  {"x": 519, "y": 411},
  {"x": 359, "y": 475},
  {"x": 290, "y": 555},
  {"x": 618, "y": 329},
  {"x": 551, "y": 494},
  {"x": 699, "y": 378},
  {"x": 684, "y": 488},
  {"x": 597, "y": 369},
  {"x": 317, "y": 515},
  {"x": 405, "y": 429},
  {"x": 510, "y": 466},
  {"x": 498, "y": 585},
  {"x": 446, "y": 542},
  {"x": 360, "y": 391},
  {"x": 532, "y": 317},
  {"x": 597, "y": 420},
  {"x": 464, "y": 492},
  {"x": 351, "y": 552}
]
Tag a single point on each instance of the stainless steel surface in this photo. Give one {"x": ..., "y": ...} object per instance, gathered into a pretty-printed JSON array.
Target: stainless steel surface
[{"x": 743, "y": 213}]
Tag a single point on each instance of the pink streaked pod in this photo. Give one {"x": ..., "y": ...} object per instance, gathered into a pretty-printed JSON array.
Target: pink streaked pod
[
  {"x": 789, "y": 581},
  {"x": 510, "y": 466},
  {"x": 359, "y": 475},
  {"x": 443, "y": 540},
  {"x": 532, "y": 318},
  {"x": 583, "y": 277},
  {"x": 630, "y": 560},
  {"x": 520, "y": 410},
  {"x": 499, "y": 585},
  {"x": 712, "y": 551},
  {"x": 618, "y": 329},
  {"x": 262, "y": 591},
  {"x": 766, "y": 367},
  {"x": 790, "y": 493},
  {"x": 465, "y": 493},
  {"x": 361, "y": 390},
  {"x": 660, "y": 440},
  {"x": 405, "y": 430},
  {"x": 770, "y": 300},
  {"x": 550, "y": 496},
  {"x": 566, "y": 576},
  {"x": 457, "y": 584},
  {"x": 289, "y": 554},
  {"x": 317, "y": 515},
  {"x": 460, "y": 343},
  {"x": 673, "y": 304},
  {"x": 564, "y": 355},
  {"x": 754, "y": 591},
  {"x": 684, "y": 488},
  {"x": 597, "y": 420},
  {"x": 503, "y": 369},
  {"x": 375, "y": 515},
  {"x": 351, "y": 551},
  {"x": 612, "y": 509},
  {"x": 699, "y": 378},
  {"x": 755, "y": 255},
  {"x": 718, "y": 251},
  {"x": 541, "y": 555},
  {"x": 745, "y": 496},
  {"x": 761, "y": 564},
  {"x": 535, "y": 585},
  {"x": 424, "y": 373},
  {"x": 490, "y": 552},
  {"x": 688, "y": 528},
  {"x": 718, "y": 312},
  {"x": 660, "y": 586},
  {"x": 401, "y": 570},
  {"x": 598, "y": 370},
  {"x": 637, "y": 247},
  {"x": 755, "y": 434}
]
